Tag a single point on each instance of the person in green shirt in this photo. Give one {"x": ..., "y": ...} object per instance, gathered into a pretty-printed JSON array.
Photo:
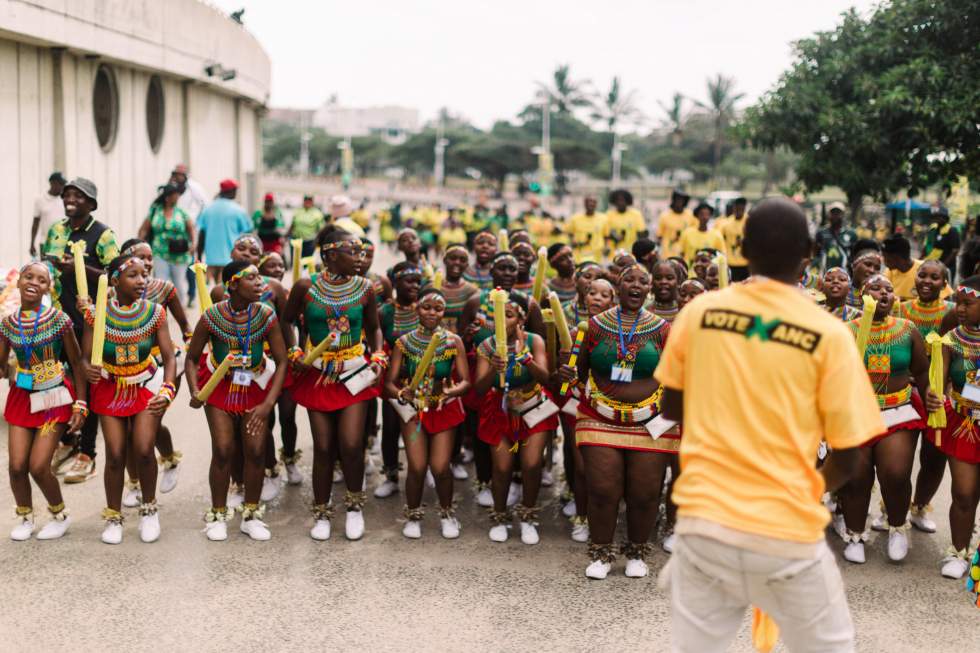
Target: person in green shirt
[
  {"x": 307, "y": 223},
  {"x": 269, "y": 225},
  {"x": 170, "y": 232}
]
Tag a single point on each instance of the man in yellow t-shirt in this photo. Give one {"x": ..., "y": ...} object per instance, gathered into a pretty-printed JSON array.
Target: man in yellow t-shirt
[
  {"x": 586, "y": 231},
  {"x": 750, "y": 527},
  {"x": 694, "y": 239},
  {"x": 732, "y": 231},
  {"x": 624, "y": 224},
  {"x": 672, "y": 222}
]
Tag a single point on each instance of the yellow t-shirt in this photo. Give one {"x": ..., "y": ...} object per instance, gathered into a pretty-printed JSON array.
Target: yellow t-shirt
[
  {"x": 733, "y": 230},
  {"x": 904, "y": 282},
  {"x": 670, "y": 225},
  {"x": 450, "y": 236},
  {"x": 693, "y": 239},
  {"x": 718, "y": 224},
  {"x": 766, "y": 375},
  {"x": 621, "y": 228},
  {"x": 540, "y": 229},
  {"x": 586, "y": 232}
]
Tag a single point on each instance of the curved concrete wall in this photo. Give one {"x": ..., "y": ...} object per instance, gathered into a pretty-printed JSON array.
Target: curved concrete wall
[{"x": 49, "y": 53}]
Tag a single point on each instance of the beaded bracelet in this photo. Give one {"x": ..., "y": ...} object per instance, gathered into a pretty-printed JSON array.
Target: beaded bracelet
[
  {"x": 380, "y": 358},
  {"x": 188, "y": 335},
  {"x": 295, "y": 354},
  {"x": 525, "y": 358},
  {"x": 80, "y": 406},
  {"x": 168, "y": 391}
]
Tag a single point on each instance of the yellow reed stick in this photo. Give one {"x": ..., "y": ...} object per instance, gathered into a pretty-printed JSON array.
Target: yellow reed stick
[
  {"x": 499, "y": 299},
  {"x": 427, "y": 272},
  {"x": 540, "y": 273},
  {"x": 583, "y": 326},
  {"x": 937, "y": 418},
  {"x": 98, "y": 329},
  {"x": 503, "y": 241},
  {"x": 550, "y": 337},
  {"x": 427, "y": 356},
  {"x": 561, "y": 324},
  {"x": 297, "y": 244},
  {"x": 202, "y": 285},
  {"x": 321, "y": 347},
  {"x": 437, "y": 280},
  {"x": 864, "y": 326},
  {"x": 722, "y": 264},
  {"x": 219, "y": 374},
  {"x": 78, "y": 255}
]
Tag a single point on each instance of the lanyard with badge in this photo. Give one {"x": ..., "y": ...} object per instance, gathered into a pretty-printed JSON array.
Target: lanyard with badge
[
  {"x": 244, "y": 375},
  {"x": 622, "y": 371},
  {"x": 25, "y": 378},
  {"x": 971, "y": 390}
]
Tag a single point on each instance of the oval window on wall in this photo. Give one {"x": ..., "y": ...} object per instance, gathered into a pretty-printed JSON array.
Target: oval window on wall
[
  {"x": 105, "y": 107},
  {"x": 155, "y": 113}
]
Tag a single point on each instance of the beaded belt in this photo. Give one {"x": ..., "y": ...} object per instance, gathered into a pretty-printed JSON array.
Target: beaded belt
[
  {"x": 236, "y": 364},
  {"x": 517, "y": 399},
  {"x": 964, "y": 406},
  {"x": 130, "y": 374},
  {"x": 339, "y": 355},
  {"x": 620, "y": 411},
  {"x": 46, "y": 374},
  {"x": 895, "y": 399}
]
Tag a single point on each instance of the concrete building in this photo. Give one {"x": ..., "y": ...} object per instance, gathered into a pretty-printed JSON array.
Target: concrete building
[
  {"x": 120, "y": 91},
  {"x": 392, "y": 123}
]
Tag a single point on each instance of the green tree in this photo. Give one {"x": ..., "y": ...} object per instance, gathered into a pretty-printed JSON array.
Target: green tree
[
  {"x": 720, "y": 106},
  {"x": 674, "y": 117},
  {"x": 565, "y": 94}
]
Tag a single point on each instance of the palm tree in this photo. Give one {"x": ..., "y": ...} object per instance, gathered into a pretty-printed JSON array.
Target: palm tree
[
  {"x": 565, "y": 94},
  {"x": 675, "y": 118},
  {"x": 721, "y": 109},
  {"x": 616, "y": 108}
]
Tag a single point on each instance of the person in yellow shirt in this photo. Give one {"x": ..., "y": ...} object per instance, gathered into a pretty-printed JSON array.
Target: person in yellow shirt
[
  {"x": 732, "y": 231},
  {"x": 700, "y": 237},
  {"x": 672, "y": 223},
  {"x": 541, "y": 227},
  {"x": 586, "y": 231},
  {"x": 450, "y": 232},
  {"x": 720, "y": 222},
  {"x": 624, "y": 224},
  {"x": 748, "y": 495}
]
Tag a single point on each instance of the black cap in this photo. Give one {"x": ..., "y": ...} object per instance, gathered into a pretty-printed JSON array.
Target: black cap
[
  {"x": 58, "y": 177},
  {"x": 704, "y": 205},
  {"x": 678, "y": 193}
]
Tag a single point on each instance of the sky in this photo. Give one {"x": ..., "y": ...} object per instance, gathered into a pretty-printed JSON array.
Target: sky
[{"x": 482, "y": 59}]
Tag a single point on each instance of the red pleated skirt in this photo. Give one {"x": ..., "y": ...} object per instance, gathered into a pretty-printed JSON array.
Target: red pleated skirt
[
  {"x": 311, "y": 392},
  {"x": 106, "y": 398},
  {"x": 17, "y": 411},
  {"x": 495, "y": 424},
  {"x": 912, "y": 425},
  {"x": 960, "y": 439},
  {"x": 223, "y": 398},
  {"x": 448, "y": 417}
]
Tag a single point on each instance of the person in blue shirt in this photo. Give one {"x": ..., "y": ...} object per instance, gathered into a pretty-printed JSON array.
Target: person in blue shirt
[{"x": 219, "y": 225}]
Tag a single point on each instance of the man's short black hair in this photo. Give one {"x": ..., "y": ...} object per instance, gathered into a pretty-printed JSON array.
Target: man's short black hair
[
  {"x": 642, "y": 247},
  {"x": 898, "y": 245},
  {"x": 776, "y": 238}
]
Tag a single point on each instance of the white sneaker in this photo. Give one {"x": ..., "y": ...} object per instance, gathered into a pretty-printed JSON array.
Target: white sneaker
[
  {"x": 880, "y": 523},
  {"x": 430, "y": 480},
  {"x": 840, "y": 527},
  {"x": 236, "y": 497},
  {"x": 321, "y": 530},
  {"x": 150, "y": 528},
  {"x": 112, "y": 533},
  {"x": 598, "y": 570},
  {"x": 256, "y": 529},
  {"x": 168, "y": 478},
  {"x": 338, "y": 475},
  {"x": 636, "y": 569},
  {"x": 132, "y": 497},
  {"x": 466, "y": 455},
  {"x": 569, "y": 509},
  {"x": 217, "y": 531},
  {"x": 484, "y": 498},
  {"x": 898, "y": 544},
  {"x": 854, "y": 552},
  {"x": 580, "y": 532},
  {"x": 386, "y": 489},
  {"x": 547, "y": 478},
  {"x": 529, "y": 533},
  {"x": 668, "y": 544},
  {"x": 270, "y": 488},
  {"x": 354, "y": 526},
  {"x": 954, "y": 567},
  {"x": 23, "y": 530},
  {"x": 920, "y": 519},
  {"x": 499, "y": 533},
  {"x": 412, "y": 529},
  {"x": 54, "y": 529},
  {"x": 370, "y": 468},
  {"x": 514, "y": 494},
  {"x": 450, "y": 527},
  {"x": 459, "y": 472},
  {"x": 293, "y": 475}
]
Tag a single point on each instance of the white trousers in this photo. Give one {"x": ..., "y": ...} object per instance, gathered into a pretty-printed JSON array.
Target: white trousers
[{"x": 712, "y": 584}]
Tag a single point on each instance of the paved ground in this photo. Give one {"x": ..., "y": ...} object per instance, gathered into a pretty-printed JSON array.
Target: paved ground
[{"x": 386, "y": 593}]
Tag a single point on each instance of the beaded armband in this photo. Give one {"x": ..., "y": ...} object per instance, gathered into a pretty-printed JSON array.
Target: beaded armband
[
  {"x": 80, "y": 406},
  {"x": 168, "y": 391},
  {"x": 380, "y": 358},
  {"x": 295, "y": 354}
]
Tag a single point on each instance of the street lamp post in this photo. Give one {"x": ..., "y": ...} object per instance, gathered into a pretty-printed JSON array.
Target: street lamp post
[
  {"x": 617, "y": 160},
  {"x": 439, "y": 169},
  {"x": 346, "y": 162},
  {"x": 546, "y": 166}
]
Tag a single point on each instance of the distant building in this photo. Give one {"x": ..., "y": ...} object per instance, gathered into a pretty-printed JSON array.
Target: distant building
[
  {"x": 393, "y": 124},
  {"x": 294, "y": 117},
  {"x": 119, "y": 92}
]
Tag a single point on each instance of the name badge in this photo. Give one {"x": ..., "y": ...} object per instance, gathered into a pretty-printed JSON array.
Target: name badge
[
  {"x": 971, "y": 392},
  {"x": 242, "y": 377},
  {"x": 25, "y": 380},
  {"x": 621, "y": 374}
]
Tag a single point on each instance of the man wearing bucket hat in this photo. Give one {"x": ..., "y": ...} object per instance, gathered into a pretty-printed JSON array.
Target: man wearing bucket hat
[
  {"x": 834, "y": 242},
  {"x": 80, "y": 197}
]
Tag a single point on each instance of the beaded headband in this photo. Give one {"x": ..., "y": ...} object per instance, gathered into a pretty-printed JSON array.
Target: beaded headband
[
  {"x": 256, "y": 241},
  {"x": 407, "y": 230},
  {"x": 434, "y": 296},
  {"x": 585, "y": 266},
  {"x": 970, "y": 292},
  {"x": 485, "y": 234},
  {"x": 837, "y": 269},
  {"x": 518, "y": 307},
  {"x": 457, "y": 246},
  {"x": 356, "y": 242},
  {"x": 696, "y": 282},
  {"x": 128, "y": 263},
  {"x": 874, "y": 277},
  {"x": 404, "y": 272},
  {"x": 367, "y": 247},
  {"x": 522, "y": 245},
  {"x": 263, "y": 260},
  {"x": 241, "y": 274},
  {"x": 560, "y": 252},
  {"x": 863, "y": 254},
  {"x": 630, "y": 267},
  {"x": 506, "y": 256},
  {"x": 132, "y": 248},
  {"x": 30, "y": 263}
]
